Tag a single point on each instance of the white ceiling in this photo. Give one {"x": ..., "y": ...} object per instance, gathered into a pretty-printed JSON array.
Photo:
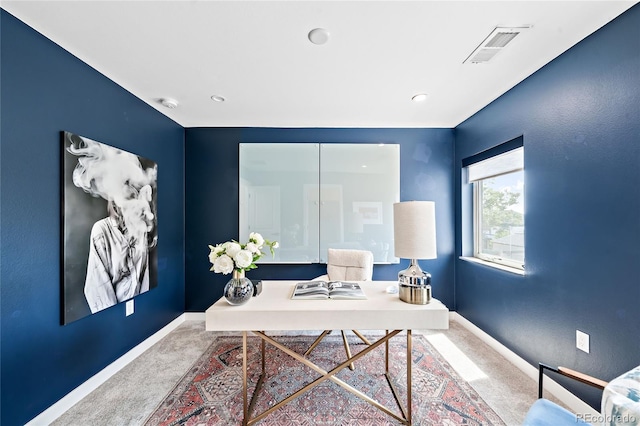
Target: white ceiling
[{"x": 256, "y": 54}]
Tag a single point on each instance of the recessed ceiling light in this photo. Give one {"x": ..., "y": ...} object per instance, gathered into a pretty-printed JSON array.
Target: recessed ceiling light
[
  {"x": 419, "y": 97},
  {"x": 218, "y": 98},
  {"x": 169, "y": 103},
  {"x": 318, "y": 36}
]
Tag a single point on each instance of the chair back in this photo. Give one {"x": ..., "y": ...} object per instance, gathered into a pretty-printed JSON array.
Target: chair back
[{"x": 349, "y": 265}]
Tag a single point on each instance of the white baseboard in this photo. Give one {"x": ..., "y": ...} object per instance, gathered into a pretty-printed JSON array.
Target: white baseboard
[
  {"x": 195, "y": 316},
  {"x": 73, "y": 397},
  {"x": 574, "y": 403}
]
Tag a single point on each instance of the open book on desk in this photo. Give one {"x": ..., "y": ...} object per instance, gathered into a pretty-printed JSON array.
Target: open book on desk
[{"x": 328, "y": 290}]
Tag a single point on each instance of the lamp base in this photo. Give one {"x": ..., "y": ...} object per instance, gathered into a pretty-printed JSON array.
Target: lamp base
[
  {"x": 414, "y": 284},
  {"x": 416, "y": 295}
]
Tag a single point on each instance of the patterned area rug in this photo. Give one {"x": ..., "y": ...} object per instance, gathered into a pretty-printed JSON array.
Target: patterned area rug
[{"x": 211, "y": 391}]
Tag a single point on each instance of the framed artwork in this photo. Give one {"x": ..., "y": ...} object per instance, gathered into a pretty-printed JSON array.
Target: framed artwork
[
  {"x": 371, "y": 212},
  {"x": 109, "y": 226}
]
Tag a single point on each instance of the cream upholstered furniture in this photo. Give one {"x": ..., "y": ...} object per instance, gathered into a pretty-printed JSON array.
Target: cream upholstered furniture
[{"x": 346, "y": 265}]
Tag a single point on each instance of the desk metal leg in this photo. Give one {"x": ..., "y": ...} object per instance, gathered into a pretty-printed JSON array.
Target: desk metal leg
[
  {"x": 386, "y": 355},
  {"x": 347, "y": 349},
  {"x": 316, "y": 342},
  {"x": 326, "y": 375},
  {"x": 244, "y": 378},
  {"x": 256, "y": 391},
  {"x": 406, "y": 412},
  {"x": 409, "y": 362}
]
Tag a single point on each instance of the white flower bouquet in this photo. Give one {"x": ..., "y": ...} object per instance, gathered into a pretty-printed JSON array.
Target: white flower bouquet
[{"x": 230, "y": 256}]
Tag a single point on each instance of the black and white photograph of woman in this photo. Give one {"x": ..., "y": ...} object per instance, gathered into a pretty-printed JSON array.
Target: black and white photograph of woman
[{"x": 110, "y": 226}]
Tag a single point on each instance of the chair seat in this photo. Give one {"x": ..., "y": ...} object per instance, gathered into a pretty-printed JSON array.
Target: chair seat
[{"x": 546, "y": 413}]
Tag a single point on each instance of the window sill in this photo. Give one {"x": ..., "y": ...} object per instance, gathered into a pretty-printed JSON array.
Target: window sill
[{"x": 493, "y": 265}]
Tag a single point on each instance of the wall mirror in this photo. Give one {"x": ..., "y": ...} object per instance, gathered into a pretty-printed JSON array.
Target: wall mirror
[{"x": 310, "y": 197}]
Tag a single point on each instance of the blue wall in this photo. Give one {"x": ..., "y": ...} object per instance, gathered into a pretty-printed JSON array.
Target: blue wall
[
  {"x": 211, "y": 207},
  {"x": 580, "y": 117},
  {"x": 46, "y": 90}
]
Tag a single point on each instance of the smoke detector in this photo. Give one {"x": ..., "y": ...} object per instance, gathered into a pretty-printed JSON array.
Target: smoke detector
[
  {"x": 494, "y": 43},
  {"x": 169, "y": 103},
  {"x": 318, "y": 36}
]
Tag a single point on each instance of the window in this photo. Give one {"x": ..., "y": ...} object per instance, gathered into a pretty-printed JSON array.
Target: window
[{"x": 498, "y": 208}]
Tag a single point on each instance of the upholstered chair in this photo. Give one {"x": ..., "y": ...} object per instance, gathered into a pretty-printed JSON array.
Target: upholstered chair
[
  {"x": 620, "y": 402},
  {"x": 346, "y": 265}
]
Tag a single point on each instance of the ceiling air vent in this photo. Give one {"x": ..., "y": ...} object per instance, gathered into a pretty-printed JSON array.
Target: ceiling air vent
[{"x": 494, "y": 43}]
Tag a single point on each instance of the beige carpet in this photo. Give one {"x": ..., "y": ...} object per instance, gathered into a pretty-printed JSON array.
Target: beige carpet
[{"x": 132, "y": 394}]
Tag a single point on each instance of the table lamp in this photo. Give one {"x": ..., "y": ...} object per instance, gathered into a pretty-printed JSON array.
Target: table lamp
[{"x": 414, "y": 228}]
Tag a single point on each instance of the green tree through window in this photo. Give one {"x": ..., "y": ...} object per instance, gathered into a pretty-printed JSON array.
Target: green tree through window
[
  {"x": 500, "y": 226},
  {"x": 496, "y": 213}
]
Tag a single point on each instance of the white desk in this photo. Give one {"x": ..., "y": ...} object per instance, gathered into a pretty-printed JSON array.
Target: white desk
[{"x": 274, "y": 310}]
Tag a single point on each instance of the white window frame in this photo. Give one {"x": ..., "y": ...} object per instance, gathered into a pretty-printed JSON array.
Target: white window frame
[
  {"x": 477, "y": 234},
  {"x": 501, "y": 169}
]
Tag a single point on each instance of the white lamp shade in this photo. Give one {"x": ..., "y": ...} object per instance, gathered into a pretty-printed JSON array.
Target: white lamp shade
[{"x": 414, "y": 228}]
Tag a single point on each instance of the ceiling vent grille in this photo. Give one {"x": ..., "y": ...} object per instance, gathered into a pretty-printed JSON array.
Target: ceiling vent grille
[{"x": 493, "y": 44}]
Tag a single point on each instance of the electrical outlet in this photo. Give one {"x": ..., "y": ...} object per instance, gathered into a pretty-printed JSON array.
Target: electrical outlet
[
  {"x": 582, "y": 341},
  {"x": 129, "y": 307}
]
